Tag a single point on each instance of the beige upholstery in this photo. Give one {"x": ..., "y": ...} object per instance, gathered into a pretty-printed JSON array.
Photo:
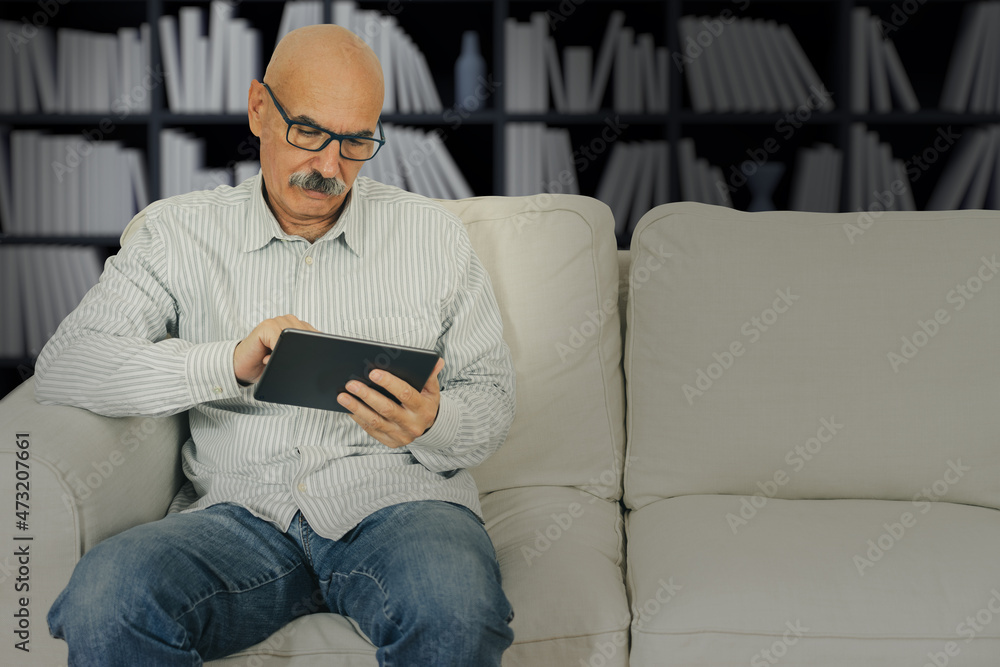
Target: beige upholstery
[
  {"x": 551, "y": 494},
  {"x": 791, "y": 459}
]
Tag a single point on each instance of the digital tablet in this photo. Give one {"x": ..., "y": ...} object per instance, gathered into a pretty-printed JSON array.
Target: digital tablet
[{"x": 310, "y": 369}]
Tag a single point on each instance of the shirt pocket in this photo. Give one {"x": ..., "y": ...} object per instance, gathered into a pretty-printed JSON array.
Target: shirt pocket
[{"x": 398, "y": 330}]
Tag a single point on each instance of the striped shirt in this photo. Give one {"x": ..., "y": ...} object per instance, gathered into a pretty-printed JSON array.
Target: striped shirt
[{"x": 156, "y": 337}]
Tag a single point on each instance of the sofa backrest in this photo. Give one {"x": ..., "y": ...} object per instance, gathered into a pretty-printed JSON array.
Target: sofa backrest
[
  {"x": 553, "y": 263},
  {"x": 808, "y": 355}
]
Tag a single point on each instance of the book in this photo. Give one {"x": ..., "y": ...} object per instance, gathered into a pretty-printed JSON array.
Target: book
[
  {"x": 579, "y": 73},
  {"x": 969, "y": 42},
  {"x": 694, "y": 68},
  {"x": 557, "y": 88},
  {"x": 170, "y": 51},
  {"x": 966, "y": 158},
  {"x": 602, "y": 70},
  {"x": 878, "y": 69},
  {"x": 899, "y": 81}
]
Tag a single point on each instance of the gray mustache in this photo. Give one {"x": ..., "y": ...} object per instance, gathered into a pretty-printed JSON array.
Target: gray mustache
[{"x": 315, "y": 181}]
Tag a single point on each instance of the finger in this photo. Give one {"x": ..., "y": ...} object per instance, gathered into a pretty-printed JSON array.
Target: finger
[{"x": 401, "y": 389}]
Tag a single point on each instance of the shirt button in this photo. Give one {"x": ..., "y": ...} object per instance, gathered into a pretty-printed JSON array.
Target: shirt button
[
  {"x": 309, "y": 260},
  {"x": 217, "y": 389},
  {"x": 302, "y": 487}
]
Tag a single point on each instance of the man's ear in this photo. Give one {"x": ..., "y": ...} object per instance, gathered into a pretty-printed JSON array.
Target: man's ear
[{"x": 255, "y": 106}]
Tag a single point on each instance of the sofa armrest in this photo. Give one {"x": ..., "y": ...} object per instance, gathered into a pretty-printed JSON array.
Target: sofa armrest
[
  {"x": 84, "y": 478},
  {"x": 100, "y": 474}
]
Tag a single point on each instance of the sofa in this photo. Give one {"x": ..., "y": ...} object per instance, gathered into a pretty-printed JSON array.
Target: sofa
[{"x": 749, "y": 439}]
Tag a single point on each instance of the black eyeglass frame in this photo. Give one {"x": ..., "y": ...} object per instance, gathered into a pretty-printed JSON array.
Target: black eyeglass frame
[{"x": 379, "y": 142}]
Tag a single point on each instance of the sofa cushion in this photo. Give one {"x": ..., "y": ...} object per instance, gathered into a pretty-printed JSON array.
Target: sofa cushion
[
  {"x": 827, "y": 582},
  {"x": 806, "y": 355},
  {"x": 553, "y": 263},
  {"x": 561, "y": 557}
]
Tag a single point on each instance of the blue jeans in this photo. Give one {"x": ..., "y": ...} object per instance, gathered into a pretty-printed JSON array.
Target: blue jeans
[{"x": 421, "y": 580}]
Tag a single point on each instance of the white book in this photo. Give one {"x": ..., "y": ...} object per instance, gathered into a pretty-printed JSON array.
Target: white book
[
  {"x": 975, "y": 196},
  {"x": 458, "y": 187},
  {"x": 624, "y": 73},
  {"x": 873, "y": 171},
  {"x": 190, "y": 19},
  {"x": 138, "y": 178},
  {"x": 604, "y": 59},
  {"x": 386, "y": 45},
  {"x": 731, "y": 69},
  {"x": 609, "y": 189},
  {"x": 64, "y": 291},
  {"x": 399, "y": 58},
  {"x": 761, "y": 97},
  {"x": 718, "y": 87},
  {"x": 31, "y": 298},
  {"x": 645, "y": 175},
  {"x": 27, "y": 96},
  {"x": 435, "y": 168},
  {"x": 511, "y": 175},
  {"x": 236, "y": 61},
  {"x": 220, "y": 14},
  {"x": 34, "y": 166},
  {"x": 537, "y": 72},
  {"x": 512, "y": 92},
  {"x": 954, "y": 182},
  {"x": 47, "y": 152},
  {"x": 534, "y": 152},
  {"x": 805, "y": 74},
  {"x": 688, "y": 169},
  {"x": 145, "y": 54},
  {"x": 410, "y": 101},
  {"x": 73, "y": 189},
  {"x": 100, "y": 81},
  {"x": 129, "y": 66},
  {"x": 524, "y": 34},
  {"x": 857, "y": 172},
  {"x": 984, "y": 90},
  {"x": 888, "y": 177},
  {"x": 11, "y": 331},
  {"x": 860, "y": 46},
  {"x": 566, "y": 176},
  {"x": 555, "y": 78},
  {"x": 717, "y": 182},
  {"x": 419, "y": 179},
  {"x": 802, "y": 179},
  {"x": 695, "y": 70},
  {"x": 343, "y": 13},
  {"x": 42, "y": 54},
  {"x": 661, "y": 188},
  {"x": 833, "y": 166},
  {"x": 245, "y": 169},
  {"x": 8, "y": 78},
  {"x": 6, "y": 191},
  {"x": 774, "y": 78},
  {"x": 878, "y": 69},
  {"x": 899, "y": 81},
  {"x": 15, "y": 224},
  {"x": 662, "y": 102},
  {"x": 970, "y": 41},
  {"x": 906, "y": 198},
  {"x": 170, "y": 51},
  {"x": 429, "y": 93},
  {"x": 627, "y": 184},
  {"x": 579, "y": 73}
]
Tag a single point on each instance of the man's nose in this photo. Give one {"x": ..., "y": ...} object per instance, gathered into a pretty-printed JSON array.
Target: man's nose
[{"x": 327, "y": 161}]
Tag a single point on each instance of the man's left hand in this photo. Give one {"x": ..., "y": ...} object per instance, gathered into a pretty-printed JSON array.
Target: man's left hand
[{"x": 394, "y": 425}]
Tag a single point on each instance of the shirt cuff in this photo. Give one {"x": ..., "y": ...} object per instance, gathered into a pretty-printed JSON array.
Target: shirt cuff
[
  {"x": 443, "y": 431},
  {"x": 210, "y": 371}
]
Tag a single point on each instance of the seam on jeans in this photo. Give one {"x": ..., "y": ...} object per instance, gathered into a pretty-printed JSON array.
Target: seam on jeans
[
  {"x": 237, "y": 592},
  {"x": 385, "y": 596},
  {"x": 306, "y": 545}
]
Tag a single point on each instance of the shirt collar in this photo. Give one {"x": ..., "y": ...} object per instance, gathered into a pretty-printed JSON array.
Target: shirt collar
[{"x": 264, "y": 227}]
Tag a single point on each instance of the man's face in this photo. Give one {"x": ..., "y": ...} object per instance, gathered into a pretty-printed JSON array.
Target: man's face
[{"x": 307, "y": 188}]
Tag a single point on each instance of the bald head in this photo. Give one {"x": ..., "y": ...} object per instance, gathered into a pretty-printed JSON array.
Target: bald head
[{"x": 327, "y": 60}]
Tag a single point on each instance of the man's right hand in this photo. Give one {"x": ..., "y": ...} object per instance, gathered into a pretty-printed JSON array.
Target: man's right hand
[{"x": 253, "y": 352}]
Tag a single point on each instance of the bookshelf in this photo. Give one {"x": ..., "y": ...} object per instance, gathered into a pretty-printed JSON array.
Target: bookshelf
[{"x": 923, "y": 33}]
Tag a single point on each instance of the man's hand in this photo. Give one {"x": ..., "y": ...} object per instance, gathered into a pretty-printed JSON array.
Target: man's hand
[
  {"x": 252, "y": 353},
  {"x": 391, "y": 424}
]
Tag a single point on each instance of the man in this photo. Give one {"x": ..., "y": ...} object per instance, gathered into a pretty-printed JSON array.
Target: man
[{"x": 374, "y": 513}]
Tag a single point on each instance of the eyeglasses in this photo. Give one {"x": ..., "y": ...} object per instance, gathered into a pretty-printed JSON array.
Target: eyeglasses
[{"x": 312, "y": 138}]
